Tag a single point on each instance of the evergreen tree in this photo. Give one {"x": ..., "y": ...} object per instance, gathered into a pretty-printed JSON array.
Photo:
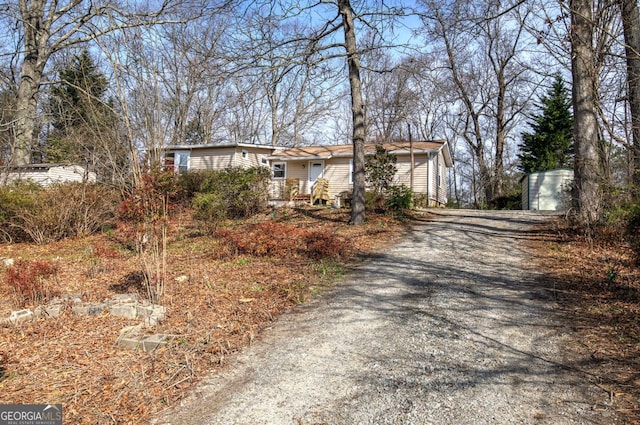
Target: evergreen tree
[
  {"x": 550, "y": 145},
  {"x": 85, "y": 126},
  {"x": 380, "y": 169},
  {"x": 79, "y": 94}
]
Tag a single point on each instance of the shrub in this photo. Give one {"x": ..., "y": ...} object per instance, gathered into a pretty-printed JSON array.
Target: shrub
[
  {"x": 321, "y": 244},
  {"x": 511, "y": 201},
  {"x": 400, "y": 198},
  {"x": 150, "y": 201},
  {"x": 190, "y": 183},
  {"x": 243, "y": 192},
  {"x": 274, "y": 239},
  {"x": 29, "y": 280},
  {"x": 420, "y": 200},
  {"x": 41, "y": 215},
  {"x": 374, "y": 201},
  {"x": 148, "y": 206},
  {"x": 380, "y": 169},
  {"x": 210, "y": 209},
  {"x": 15, "y": 199}
]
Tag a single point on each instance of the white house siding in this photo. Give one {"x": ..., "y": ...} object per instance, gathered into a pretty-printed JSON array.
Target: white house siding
[
  {"x": 337, "y": 171},
  {"x": 420, "y": 170},
  {"x": 294, "y": 170},
  {"x": 442, "y": 184},
  {"x": 437, "y": 190},
  {"x": 546, "y": 190},
  {"x": 211, "y": 158},
  {"x": 48, "y": 174},
  {"x": 433, "y": 179},
  {"x": 253, "y": 158}
]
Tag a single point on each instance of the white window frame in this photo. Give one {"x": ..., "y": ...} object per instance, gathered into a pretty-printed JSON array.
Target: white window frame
[
  {"x": 245, "y": 154},
  {"x": 181, "y": 161},
  {"x": 284, "y": 170}
]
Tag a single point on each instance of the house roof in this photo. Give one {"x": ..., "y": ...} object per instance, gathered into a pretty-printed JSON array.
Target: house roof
[
  {"x": 37, "y": 167},
  {"x": 337, "y": 151},
  {"x": 219, "y": 145}
]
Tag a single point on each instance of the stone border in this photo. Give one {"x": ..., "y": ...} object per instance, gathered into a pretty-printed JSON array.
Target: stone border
[{"x": 120, "y": 305}]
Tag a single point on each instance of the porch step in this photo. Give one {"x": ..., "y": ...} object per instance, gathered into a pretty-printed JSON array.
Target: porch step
[{"x": 302, "y": 197}]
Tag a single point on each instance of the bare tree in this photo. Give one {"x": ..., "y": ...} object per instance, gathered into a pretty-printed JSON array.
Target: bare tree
[
  {"x": 48, "y": 27},
  {"x": 631, "y": 24},
  {"x": 588, "y": 197},
  {"x": 480, "y": 47}
]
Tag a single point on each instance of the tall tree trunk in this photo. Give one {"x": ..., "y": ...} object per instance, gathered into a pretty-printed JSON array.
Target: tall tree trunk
[
  {"x": 587, "y": 197},
  {"x": 357, "y": 110},
  {"x": 26, "y": 107},
  {"x": 631, "y": 24},
  {"x": 36, "y": 54},
  {"x": 501, "y": 135}
]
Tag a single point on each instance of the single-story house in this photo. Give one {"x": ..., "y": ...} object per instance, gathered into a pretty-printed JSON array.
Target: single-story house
[
  {"x": 547, "y": 190},
  {"x": 216, "y": 157},
  {"x": 47, "y": 174},
  {"x": 333, "y": 163}
]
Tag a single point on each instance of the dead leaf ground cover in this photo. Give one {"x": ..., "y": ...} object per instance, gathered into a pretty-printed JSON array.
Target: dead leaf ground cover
[
  {"x": 597, "y": 284},
  {"x": 228, "y": 297},
  {"x": 222, "y": 299}
]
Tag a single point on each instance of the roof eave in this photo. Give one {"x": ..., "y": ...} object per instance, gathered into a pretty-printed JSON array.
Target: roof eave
[{"x": 220, "y": 145}]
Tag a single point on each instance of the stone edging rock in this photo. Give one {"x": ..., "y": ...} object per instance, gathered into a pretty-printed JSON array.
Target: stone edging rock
[{"x": 120, "y": 305}]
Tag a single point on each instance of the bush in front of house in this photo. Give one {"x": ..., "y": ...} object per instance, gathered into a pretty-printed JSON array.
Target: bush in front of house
[
  {"x": 31, "y": 213},
  {"x": 14, "y": 199},
  {"x": 374, "y": 201},
  {"x": 399, "y": 199},
  {"x": 282, "y": 240},
  {"x": 239, "y": 192},
  {"x": 210, "y": 209},
  {"x": 190, "y": 183}
]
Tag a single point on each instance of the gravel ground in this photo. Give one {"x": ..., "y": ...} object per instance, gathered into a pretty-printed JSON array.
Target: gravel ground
[{"x": 446, "y": 327}]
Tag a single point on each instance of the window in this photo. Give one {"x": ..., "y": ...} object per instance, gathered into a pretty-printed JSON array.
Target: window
[
  {"x": 177, "y": 161},
  {"x": 245, "y": 154},
  {"x": 440, "y": 176},
  {"x": 182, "y": 162},
  {"x": 279, "y": 170},
  {"x": 264, "y": 161}
]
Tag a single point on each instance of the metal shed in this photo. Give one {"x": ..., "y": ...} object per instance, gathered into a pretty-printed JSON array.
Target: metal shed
[{"x": 547, "y": 190}]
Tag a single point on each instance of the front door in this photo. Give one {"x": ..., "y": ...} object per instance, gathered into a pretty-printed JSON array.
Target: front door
[{"x": 316, "y": 171}]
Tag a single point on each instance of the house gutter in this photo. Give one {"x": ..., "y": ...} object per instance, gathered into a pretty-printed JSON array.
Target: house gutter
[
  {"x": 347, "y": 155},
  {"x": 302, "y": 158}
]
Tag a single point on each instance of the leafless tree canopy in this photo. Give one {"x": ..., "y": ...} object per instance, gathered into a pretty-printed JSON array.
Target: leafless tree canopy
[{"x": 299, "y": 72}]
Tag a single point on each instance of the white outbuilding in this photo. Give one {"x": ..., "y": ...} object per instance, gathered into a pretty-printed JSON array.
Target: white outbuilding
[
  {"x": 47, "y": 174},
  {"x": 547, "y": 190}
]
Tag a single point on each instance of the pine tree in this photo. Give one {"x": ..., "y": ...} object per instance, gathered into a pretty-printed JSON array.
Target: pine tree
[
  {"x": 85, "y": 126},
  {"x": 550, "y": 145}
]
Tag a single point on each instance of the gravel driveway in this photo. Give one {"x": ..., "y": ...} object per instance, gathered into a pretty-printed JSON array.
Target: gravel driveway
[{"x": 446, "y": 327}]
